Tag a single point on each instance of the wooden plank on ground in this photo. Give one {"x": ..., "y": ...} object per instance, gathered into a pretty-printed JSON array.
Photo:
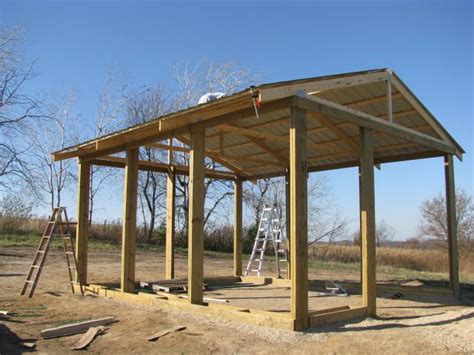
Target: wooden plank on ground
[
  {"x": 337, "y": 316},
  {"x": 89, "y": 337},
  {"x": 166, "y": 332},
  {"x": 75, "y": 328}
]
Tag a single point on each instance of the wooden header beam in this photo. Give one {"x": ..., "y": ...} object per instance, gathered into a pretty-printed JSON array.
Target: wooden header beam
[
  {"x": 205, "y": 116},
  {"x": 368, "y": 121},
  {"x": 117, "y": 162},
  {"x": 273, "y": 93}
]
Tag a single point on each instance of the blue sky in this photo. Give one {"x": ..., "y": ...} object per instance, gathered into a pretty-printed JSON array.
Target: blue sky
[{"x": 429, "y": 44}]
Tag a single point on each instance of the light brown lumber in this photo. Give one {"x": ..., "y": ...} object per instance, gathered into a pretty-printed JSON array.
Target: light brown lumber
[
  {"x": 82, "y": 231},
  {"x": 328, "y": 310},
  {"x": 337, "y": 131},
  {"x": 452, "y": 225},
  {"x": 423, "y": 112},
  {"x": 298, "y": 219},
  {"x": 320, "y": 84},
  {"x": 166, "y": 332},
  {"x": 75, "y": 328},
  {"x": 169, "y": 147},
  {"x": 238, "y": 232},
  {"x": 170, "y": 223},
  {"x": 117, "y": 162},
  {"x": 207, "y": 299},
  {"x": 214, "y": 156},
  {"x": 89, "y": 337},
  {"x": 337, "y": 316},
  {"x": 252, "y": 133},
  {"x": 196, "y": 217},
  {"x": 367, "y": 220},
  {"x": 280, "y": 157},
  {"x": 129, "y": 228},
  {"x": 368, "y": 121}
]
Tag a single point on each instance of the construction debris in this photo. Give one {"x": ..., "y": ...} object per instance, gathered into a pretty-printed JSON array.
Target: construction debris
[
  {"x": 207, "y": 299},
  {"x": 89, "y": 337},
  {"x": 70, "y": 329},
  {"x": 28, "y": 345},
  {"x": 168, "y": 286},
  {"x": 166, "y": 332}
]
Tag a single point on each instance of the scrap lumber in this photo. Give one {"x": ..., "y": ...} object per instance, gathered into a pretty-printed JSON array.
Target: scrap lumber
[
  {"x": 166, "y": 332},
  {"x": 28, "y": 345},
  {"x": 89, "y": 337},
  {"x": 207, "y": 299},
  {"x": 70, "y": 329}
]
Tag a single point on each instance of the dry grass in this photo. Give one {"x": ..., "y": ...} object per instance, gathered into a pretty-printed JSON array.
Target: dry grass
[{"x": 431, "y": 260}]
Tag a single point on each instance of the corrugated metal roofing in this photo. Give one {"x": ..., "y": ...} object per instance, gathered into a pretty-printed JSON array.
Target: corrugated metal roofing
[{"x": 325, "y": 147}]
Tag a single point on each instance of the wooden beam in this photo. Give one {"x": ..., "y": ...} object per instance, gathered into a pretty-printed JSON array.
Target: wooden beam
[
  {"x": 170, "y": 223},
  {"x": 367, "y": 217},
  {"x": 452, "y": 225},
  {"x": 238, "y": 233},
  {"x": 373, "y": 100},
  {"x": 274, "y": 152},
  {"x": 205, "y": 116},
  {"x": 252, "y": 133},
  {"x": 288, "y": 220},
  {"x": 319, "y": 84},
  {"x": 169, "y": 147},
  {"x": 117, "y": 162},
  {"x": 215, "y": 156},
  {"x": 298, "y": 219},
  {"x": 129, "y": 228},
  {"x": 337, "y": 131},
  {"x": 425, "y": 113},
  {"x": 368, "y": 121},
  {"x": 354, "y": 163},
  {"x": 82, "y": 231},
  {"x": 196, "y": 218},
  {"x": 337, "y": 316}
]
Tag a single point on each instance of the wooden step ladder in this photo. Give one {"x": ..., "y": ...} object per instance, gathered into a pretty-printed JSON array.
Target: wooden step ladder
[{"x": 63, "y": 231}]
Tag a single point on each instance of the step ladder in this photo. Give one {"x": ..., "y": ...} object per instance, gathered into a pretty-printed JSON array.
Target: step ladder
[
  {"x": 57, "y": 226},
  {"x": 269, "y": 230}
]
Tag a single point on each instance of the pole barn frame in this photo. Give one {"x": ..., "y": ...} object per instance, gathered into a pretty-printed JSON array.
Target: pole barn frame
[{"x": 341, "y": 121}]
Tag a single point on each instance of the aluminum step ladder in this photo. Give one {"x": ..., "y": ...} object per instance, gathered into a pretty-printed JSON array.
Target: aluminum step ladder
[
  {"x": 57, "y": 226},
  {"x": 269, "y": 230}
]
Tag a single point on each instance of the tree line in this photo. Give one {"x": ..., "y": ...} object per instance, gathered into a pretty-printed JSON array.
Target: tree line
[{"x": 34, "y": 125}]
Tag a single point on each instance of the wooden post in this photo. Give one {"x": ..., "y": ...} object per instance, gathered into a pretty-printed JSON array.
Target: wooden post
[
  {"x": 452, "y": 225},
  {"x": 129, "y": 228},
  {"x": 298, "y": 219},
  {"x": 82, "y": 231},
  {"x": 287, "y": 222},
  {"x": 196, "y": 218},
  {"x": 367, "y": 220},
  {"x": 170, "y": 220},
  {"x": 238, "y": 228}
]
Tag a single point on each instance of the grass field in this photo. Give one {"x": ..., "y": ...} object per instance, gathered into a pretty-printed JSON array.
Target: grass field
[{"x": 425, "y": 264}]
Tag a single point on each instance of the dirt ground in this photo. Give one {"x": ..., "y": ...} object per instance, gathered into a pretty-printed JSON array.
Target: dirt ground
[{"x": 412, "y": 324}]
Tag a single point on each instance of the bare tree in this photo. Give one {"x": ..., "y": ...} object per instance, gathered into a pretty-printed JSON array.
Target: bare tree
[
  {"x": 57, "y": 131},
  {"x": 324, "y": 220},
  {"x": 147, "y": 104},
  {"x": 193, "y": 81},
  {"x": 256, "y": 195},
  {"x": 110, "y": 106},
  {"x": 434, "y": 220},
  {"x": 384, "y": 233},
  {"x": 17, "y": 108}
]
